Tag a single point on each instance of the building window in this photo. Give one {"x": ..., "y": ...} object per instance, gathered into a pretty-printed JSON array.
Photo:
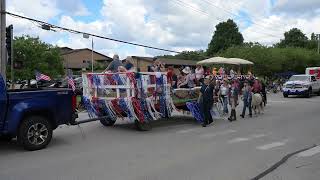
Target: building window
[{"x": 84, "y": 61}]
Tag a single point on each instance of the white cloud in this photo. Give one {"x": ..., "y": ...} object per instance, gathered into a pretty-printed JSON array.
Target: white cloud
[
  {"x": 39, "y": 9},
  {"x": 307, "y": 26},
  {"x": 72, "y": 7},
  {"x": 175, "y": 24},
  {"x": 297, "y": 7}
]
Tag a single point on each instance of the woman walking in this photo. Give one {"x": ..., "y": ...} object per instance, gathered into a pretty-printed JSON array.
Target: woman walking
[
  {"x": 247, "y": 99},
  {"x": 224, "y": 91},
  {"x": 233, "y": 100},
  {"x": 205, "y": 100}
]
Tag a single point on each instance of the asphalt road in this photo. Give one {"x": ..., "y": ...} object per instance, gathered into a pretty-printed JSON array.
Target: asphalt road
[{"x": 179, "y": 149}]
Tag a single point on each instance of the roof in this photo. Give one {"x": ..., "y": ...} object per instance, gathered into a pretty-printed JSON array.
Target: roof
[
  {"x": 169, "y": 61},
  {"x": 65, "y": 49},
  {"x": 143, "y": 58},
  {"x": 85, "y": 49},
  {"x": 303, "y": 75}
]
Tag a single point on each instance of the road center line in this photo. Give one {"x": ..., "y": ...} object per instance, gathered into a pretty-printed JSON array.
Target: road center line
[
  {"x": 277, "y": 101},
  {"x": 186, "y": 130},
  {"x": 272, "y": 145},
  {"x": 309, "y": 152},
  {"x": 235, "y": 140},
  {"x": 211, "y": 135},
  {"x": 259, "y": 135},
  {"x": 242, "y": 139}
]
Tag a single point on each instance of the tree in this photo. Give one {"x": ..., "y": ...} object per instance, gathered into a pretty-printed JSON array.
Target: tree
[
  {"x": 314, "y": 37},
  {"x": 270, "y": 60},
  {"x": 294, "y": 38},
  {"x": 188, "y": 55},
  {"x": 226, "y": 35},
  {"x": 313, "y": 42},
  {"x": 36, "y": 55}
]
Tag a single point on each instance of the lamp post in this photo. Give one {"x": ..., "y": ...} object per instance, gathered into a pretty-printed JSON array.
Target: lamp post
[{"x": 86, "y": 36}]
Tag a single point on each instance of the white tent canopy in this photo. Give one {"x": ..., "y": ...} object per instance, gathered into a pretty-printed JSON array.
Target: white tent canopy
[
  {"x": 222, "y": 60},
  {"x": 241, "y": 61}
]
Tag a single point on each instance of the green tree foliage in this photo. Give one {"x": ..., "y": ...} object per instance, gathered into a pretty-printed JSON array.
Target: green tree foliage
[
  {"x": 226, "y": 35},
  {"x": 188, "y": 55},
  {"x": 270, "y": 60},
  {"x": 36, "y": 55},
  {"x": 313, "y": 43},
  {"x": 294, "y": 38}
]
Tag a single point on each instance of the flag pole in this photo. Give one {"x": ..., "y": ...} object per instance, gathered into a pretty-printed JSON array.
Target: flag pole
[{"x": 92, "y": 55}]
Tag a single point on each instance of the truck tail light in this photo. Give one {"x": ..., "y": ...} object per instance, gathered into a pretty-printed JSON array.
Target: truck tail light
[{"x": 74, "y": 102}]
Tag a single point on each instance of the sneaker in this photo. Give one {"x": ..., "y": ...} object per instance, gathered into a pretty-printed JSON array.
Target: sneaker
[
  {"x": 242, "y": 115},
  {"x": 250, "y": 115},
  {"x": 204, "y": 125}
]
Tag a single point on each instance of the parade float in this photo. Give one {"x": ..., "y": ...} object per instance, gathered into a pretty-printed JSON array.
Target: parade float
[{"x": 139, "y": 97}]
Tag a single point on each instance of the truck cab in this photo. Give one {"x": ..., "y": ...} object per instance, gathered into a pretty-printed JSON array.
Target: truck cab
[
  {"x": 31, "y": 115},
  {"x": 315, "y": 71},
  {"x": 304, "y": 84}
]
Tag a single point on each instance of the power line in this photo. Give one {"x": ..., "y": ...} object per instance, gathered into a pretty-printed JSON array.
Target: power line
[
  {"x": 236, "y": 15},
  {"x": 240, "y": 17},
  {"x": 255, "y": 16},
  {"x": 90, "y": 34},
  {"x": 182, "y": 3}
]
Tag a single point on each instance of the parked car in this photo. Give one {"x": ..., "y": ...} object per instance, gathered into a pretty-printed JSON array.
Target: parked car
[
  {"x": 301, "y": 85},
  {"x": 31, "y": 115}
]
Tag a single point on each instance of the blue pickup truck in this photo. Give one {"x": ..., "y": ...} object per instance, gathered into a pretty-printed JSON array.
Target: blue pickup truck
[{"x": 31, "y": 115}]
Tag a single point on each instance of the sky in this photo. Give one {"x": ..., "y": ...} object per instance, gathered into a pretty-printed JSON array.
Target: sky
[{"x": 170, "y": 24}]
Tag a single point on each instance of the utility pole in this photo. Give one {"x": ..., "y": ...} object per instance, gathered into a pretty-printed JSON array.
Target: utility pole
[
  {"x": 92, "y": 55},
  {"x": 3, "y": 49},
  {"x": 318, "y": 43}
]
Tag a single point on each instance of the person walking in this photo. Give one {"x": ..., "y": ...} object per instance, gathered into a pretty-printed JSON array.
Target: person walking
[
  {"x": 264, "y": 92},
  {"x": 205, "y": 100},
  {"x": 247, "y": 99},
  {"x": 233, "y": 100},
  {"x": 224, "y": 91},
  {"x": 256, "y": 87}
]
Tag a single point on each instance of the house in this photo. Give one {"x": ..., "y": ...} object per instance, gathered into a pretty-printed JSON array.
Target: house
[
  {"x": 144, "y": 62},
  {"x": 80, "y": 59}
]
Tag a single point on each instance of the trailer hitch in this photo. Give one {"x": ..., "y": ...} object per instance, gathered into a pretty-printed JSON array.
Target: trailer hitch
[{"x": 74, "y": 122}]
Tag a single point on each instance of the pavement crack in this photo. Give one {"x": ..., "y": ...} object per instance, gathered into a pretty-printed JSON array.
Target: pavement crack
[{"x": 279, "y": 163}]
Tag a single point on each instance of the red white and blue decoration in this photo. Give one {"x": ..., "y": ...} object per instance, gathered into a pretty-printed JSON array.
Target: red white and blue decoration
[
  {"x": 131, "y": 96},
  {"x": 71, "y": 82},
  {"x": 40, "y": 76}
]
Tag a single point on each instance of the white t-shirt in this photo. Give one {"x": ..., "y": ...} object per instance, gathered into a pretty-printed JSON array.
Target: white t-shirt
[
  {"x": 199, "y": 73},
  {"x": 224, "y": 90}
]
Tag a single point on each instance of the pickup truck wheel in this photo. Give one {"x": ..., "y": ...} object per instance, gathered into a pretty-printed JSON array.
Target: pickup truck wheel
[
  {"x": 35, "y": 133},
  {"x": 285, "y": 95},
  {"x": 143, "y": 126},
  {"x": 107, "y": 121}
]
